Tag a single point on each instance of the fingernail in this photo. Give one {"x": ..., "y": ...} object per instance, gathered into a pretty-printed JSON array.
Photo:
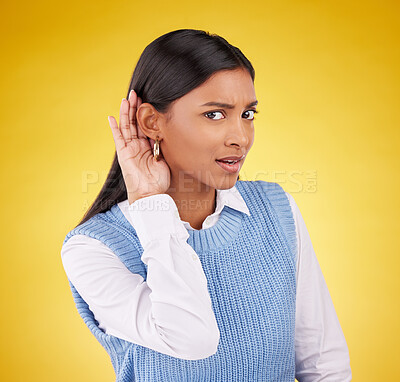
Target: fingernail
[{"x": 130, "y": 93}]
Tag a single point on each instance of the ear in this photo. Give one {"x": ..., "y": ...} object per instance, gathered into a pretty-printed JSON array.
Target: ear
[{"x": 147, "y": 117}]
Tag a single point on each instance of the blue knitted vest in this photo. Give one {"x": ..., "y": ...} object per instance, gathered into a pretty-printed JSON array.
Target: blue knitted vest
[{"x": 250, "y": 265}]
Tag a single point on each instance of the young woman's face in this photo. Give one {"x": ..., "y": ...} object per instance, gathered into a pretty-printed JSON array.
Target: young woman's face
[{"x": 197, "y": 135}]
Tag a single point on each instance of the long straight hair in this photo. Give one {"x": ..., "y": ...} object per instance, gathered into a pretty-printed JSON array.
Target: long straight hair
[{"x": 170, "y": 67}]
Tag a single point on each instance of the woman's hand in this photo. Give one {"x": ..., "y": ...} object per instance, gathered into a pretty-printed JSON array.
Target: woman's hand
[{"x": 143, "y": 175}]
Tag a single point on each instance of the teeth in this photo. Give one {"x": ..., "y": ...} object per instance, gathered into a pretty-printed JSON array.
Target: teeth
[{"x": 229, "y": 161}]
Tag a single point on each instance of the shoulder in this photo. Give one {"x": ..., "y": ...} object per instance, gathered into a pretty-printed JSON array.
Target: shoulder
[
  {"x": 281, "y": 204},
  {"x": 272, "y": 191},
  {"x": 85, "y": 230},
  {"x": 80, "y": 249},
  {"x": 80, "y": 242},
  {"x": 260, "y": 191},
  {"x": 104, "y": 233},
  {"x": 262, "y": 185},
  {"x": 293, "y": 205},
  {"x": 81, "y": 254},
  {"x": 87, "y": 249},
  {"x": 110, "y": 227}
]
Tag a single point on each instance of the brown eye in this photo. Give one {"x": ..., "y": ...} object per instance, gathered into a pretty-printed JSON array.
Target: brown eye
[
  {"x": 213, "y": 113},
  {"x": 252, "y": 113}
]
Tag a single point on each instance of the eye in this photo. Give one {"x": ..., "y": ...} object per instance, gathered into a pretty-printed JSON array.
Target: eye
[
  {"x": 251, "y": 115},
  {"x": 213, "y": 113}
]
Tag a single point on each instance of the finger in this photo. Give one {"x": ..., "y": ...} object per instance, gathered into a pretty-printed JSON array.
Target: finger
[
  {"x": 118, "y": 138},
  {"x": 132, "y": 113},
  {"x": 124, "y": 120}
]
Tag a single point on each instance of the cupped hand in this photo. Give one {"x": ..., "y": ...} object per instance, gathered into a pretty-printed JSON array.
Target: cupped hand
[{"x": 143, "y": 175}]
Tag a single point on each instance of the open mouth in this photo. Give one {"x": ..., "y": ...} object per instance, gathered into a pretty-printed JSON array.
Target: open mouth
[{"x": 231, "y": 166}]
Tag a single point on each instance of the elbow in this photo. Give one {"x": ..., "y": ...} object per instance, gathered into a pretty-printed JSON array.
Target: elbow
[
  {"x": 203, "y": 344},
  {"x": 198, "y": 341}
]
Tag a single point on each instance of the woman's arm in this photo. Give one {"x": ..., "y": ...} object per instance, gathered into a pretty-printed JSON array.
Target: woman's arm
[
  {"x": 171, "y": 311},
  {"x": 321, "y": 350}
]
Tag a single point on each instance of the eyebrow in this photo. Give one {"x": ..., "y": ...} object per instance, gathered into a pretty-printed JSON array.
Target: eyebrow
[{"x": 227, "y": 105}]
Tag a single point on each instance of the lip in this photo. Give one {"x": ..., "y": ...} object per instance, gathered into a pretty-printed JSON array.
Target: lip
[
  {"x": 231, "y": 168},
  {"x": 232, "y": 158}
]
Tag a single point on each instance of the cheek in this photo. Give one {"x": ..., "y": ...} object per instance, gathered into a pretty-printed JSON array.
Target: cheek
[
  {"x": 250, "y": 137},
  {"x": 193, "y": 146},
  {"x": 200, "y": 142},
  {"x": 184, "y": 147},
  {"x": 251, "y": 140}
]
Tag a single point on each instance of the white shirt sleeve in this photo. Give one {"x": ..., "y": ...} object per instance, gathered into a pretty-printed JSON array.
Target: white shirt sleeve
[
  {"x": 170, "y": 312},
  {"x": 321, "y": 351}
]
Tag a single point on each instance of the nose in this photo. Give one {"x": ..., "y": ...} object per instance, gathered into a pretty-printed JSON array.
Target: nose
[{"x": 240, "y": 133}]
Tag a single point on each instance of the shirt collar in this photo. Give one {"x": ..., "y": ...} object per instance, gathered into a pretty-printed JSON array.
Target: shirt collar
[{"x": 230, "y": 197}]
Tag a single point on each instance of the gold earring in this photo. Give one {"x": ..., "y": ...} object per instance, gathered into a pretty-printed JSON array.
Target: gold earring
[{"x": 156, "y": 149}]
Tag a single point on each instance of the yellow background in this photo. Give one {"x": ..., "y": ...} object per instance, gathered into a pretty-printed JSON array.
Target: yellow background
[{"x": 327, "y": 81}]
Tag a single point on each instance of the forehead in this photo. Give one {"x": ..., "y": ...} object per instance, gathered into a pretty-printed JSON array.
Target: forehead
[{"x": 229, "y": 86}]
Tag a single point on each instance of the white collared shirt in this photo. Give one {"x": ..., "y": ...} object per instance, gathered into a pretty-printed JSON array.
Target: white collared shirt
[
  {"x": 125, "y": 307},
  {"x": 230, "y": 198}
]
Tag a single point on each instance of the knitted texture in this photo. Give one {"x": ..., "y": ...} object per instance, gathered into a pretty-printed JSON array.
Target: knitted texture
[{"x": 250, "y": 266}]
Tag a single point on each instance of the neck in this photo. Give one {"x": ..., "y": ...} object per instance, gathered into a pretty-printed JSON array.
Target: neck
[{"x": 194, "y": 200}]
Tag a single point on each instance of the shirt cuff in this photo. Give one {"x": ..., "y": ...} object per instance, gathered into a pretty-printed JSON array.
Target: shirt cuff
[{"x": 155, "y": 216}]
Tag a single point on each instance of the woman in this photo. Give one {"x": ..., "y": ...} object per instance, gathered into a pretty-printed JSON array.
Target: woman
[{"x": 182, "y": 271}]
